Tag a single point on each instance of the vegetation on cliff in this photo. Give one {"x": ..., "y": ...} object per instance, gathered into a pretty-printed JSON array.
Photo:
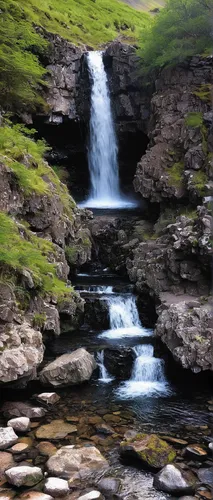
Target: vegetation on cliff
[
  {"x": 182, "y": 29},
  {"x": 22, "y": 46}
]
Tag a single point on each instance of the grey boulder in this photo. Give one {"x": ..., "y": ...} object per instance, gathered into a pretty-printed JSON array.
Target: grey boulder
[
  {"x": 173, "y": 480},
  {"x": 69, "y": 369}
]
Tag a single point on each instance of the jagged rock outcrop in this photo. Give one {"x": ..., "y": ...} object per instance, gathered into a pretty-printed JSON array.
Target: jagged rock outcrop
[{"x": 69, "y": 369}]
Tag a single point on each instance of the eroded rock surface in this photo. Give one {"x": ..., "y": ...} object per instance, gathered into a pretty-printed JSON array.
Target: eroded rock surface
[{"x": 69, "y": 369}]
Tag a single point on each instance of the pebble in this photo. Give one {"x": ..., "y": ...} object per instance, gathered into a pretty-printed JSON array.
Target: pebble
[
  {"x": 19, "y": 448},
  {"x": 92, "y": 495},
  {"x": 195, "y": 452},
  {"x": 6, "y": 461},
  {"x": 7, "y": 437},
  {"x": 56, "y": 487},
  {"x": 49, "y": 398},
  {"x": 24, "y": 475},
  {"x": 35, "y": 495},
  {"x": 46, "y": 449},
  {"x": 57, "y": 429},
  {"x": 19, "y": 424}
]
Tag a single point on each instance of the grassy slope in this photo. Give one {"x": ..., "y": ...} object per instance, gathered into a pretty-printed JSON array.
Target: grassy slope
[
  {"x": 85, "y": 21},
  {"x": 145, "y": 4}
]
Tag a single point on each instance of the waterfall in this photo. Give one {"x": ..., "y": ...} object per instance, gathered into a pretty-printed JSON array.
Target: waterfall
[
  {"x": 104, "y": 375},
  {"x": 124, "y": 318},
  {"x": 147, "y": 375},
  {"x": 103, "y": 150}
]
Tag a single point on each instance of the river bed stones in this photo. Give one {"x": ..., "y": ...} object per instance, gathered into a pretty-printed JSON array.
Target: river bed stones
[
  {"x": 6, "y": 462},
  {"x": 56, "y": 487},
  {"x": 69, "y": 369},
  {"x": 70, "y": 460},
  {"x": 19, "y": 448},
  {"x": 149, "y": 449},
  {"x": 7, "y": 437},
  {"x": 46, "y": 449},
  {"x": 35, "y": 495},
  {"x": 206, "y": 476},
  {"x": 57, "y": 429},
  {"x": 24, "y": 475},
  {"x": 13, "y": 409},
  {"x": 50, "y": 398},
  {"x": 92, "y": 495},
  {"x": 19, "y": 424},
  {"x": 196, "y": 452},
  {"x": 171, "y": 479}
]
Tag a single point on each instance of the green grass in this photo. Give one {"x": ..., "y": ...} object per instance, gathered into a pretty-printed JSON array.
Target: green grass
[
  {"x": 24, "y": 156},
  {"x": 199, "y": 182},
  {"x": 175, "y": 174},
  {"x": 20, "y": 249},
  {"x": 204, "y": 92}
]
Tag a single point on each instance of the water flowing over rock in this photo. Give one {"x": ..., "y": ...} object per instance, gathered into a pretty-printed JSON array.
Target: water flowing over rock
[
  {"x": 70, "y": 462},
  {"x": 69, "y": 369},
  {"x": 150, "y": 450}
]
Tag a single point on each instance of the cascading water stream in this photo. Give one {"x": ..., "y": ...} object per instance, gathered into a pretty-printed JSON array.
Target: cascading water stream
[
  {"x": 104, "y": 375},
  {"x": 103, "y": 150},
  {"x": 124, "y": 318},
  {"x": 147, "y": 375}
]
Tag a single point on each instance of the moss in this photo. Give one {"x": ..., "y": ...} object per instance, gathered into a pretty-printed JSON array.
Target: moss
[
  {"x": 153, "y": 451},
  {"x": 175, "y": 174},
  {"x": 21, "y": 250},
  {"x": 194, "y": 119},
  {"x": 204, "y": 92},
  {"x": 199, "y": 182},
  {"x": 39, "y": 320},
  {"x": 71, "y": 255}
]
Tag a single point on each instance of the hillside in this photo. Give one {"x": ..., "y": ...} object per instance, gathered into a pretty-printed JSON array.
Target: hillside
[{"x": 146, "y": 5}]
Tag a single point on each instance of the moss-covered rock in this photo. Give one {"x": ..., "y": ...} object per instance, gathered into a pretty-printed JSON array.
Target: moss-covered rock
[{"x": 149, "y": 449}]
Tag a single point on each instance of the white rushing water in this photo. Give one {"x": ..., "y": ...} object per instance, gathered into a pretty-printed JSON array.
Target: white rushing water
[
  {"x": 108, "y": 290},
  {"x": 147, "y": 375},
  {"x": 124, "y": 318},
  {"x": 103, "y": 150},
  {"x": 104, "y": 375}
]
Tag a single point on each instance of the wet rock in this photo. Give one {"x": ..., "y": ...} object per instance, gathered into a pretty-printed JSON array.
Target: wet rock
[
  {"x": 149, "y": 449},
  {"x": 69, "y": 460},
  {"x": 19, "y": 448},
  {"x": 7, "y": 437},
  {"x": 206, "y": 476},
  {"x": 22, "y": 352},
  {"x": 92, "y": 495},
  {"x": 35, "y": 495},
  {"x": 50, "y": 398},
  {"x": 19, "y": 424},
  {"x": 24, "y": 475},
  {"x": 173, "y": 480},
  {"x": 69, "y": 369},
  {"x": 57, "y": 429},
  {"x": 6, "y": 462},
  {"x": 173, "y": 440},
  {"x": 109, "y": 485},
  {"x": 46, "y": 449},
  {"x": 104, "y": 429},
  {"x": 119, "y": 362},
  {"x": 196, "y": 452},
  {"x": 6, "y": 494},
  {"x": 18, "y": 409},
  {"x": 56, "y": 487}
]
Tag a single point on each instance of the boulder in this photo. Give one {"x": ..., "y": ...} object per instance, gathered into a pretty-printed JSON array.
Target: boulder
[
  {"x": 69, "y": 461},
  {"x": 49, "y": 398},
  {"x": 7, "y": 437},
  {"x": 109, "y": 485},
  {"x": 69, "y": 369},
  {"x": 149, "y": 449},
  {"x": 6, "y": 462},
  {"x": 22, "y": 352},
  {"x": 173, "y": 480},
  {"x": 57, "y": 429},
  {"x": 24, "y": 475},
  {"x": 19, "y": 424},
  {"x": 13, "y": 409},
  {"x": 56, "y": 487}
]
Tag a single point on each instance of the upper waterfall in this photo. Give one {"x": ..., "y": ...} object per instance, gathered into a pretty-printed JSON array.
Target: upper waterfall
[{"x": 103, "y": 150}]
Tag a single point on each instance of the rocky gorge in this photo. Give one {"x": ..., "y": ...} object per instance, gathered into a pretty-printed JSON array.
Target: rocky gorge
[{"x": 78, "y": 443}]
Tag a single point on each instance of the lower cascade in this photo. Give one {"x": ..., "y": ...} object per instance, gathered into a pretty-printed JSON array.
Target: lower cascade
[
  {"x": 104, "y": 375},
  {"x": 147, "y": 374},
  {"x": 124, "y": 318}
]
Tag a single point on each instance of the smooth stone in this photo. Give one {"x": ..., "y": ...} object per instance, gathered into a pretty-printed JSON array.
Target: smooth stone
[
  {"x": 49, "y": 398},
  {"x": 173, "y": 440},
  {"x": 7, "y": 437},
  {"x": 34, "y": 425},
  {"x": 19, "y": 424},
  {"x": 95, "y": 420},
  {"x": 104, "y": 429},
  {"x": 112, "y": 418},
  {"x": 92, "y": 495},
  {"x": 26, "y": 440},
  {"x": 35, "y": 495},
  {"x": 18, "y": 409},
  {"x": 69, "y": 460},
  {"x": 173, "y": 480},
  {"x": 6, "y": 462},
  {"x": 130, "y": 434},
  {"x": 109, "y": 485},
  {"x": 57, "y": 429},
  {"x": 152, "y": 451},
  {"x": 72, "y": 419},
  {"x": 24, "y": 475},
  {"x": 6, "y": 494},
  {"x": 56, "y": 487},
  {"x": 69, "y": 369},
  {"x": 19, "y": 448},
  {"x": 46, "y": 449},
  {"x": 195, "y": 452},
  {"x": 206, "y": 476}
]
